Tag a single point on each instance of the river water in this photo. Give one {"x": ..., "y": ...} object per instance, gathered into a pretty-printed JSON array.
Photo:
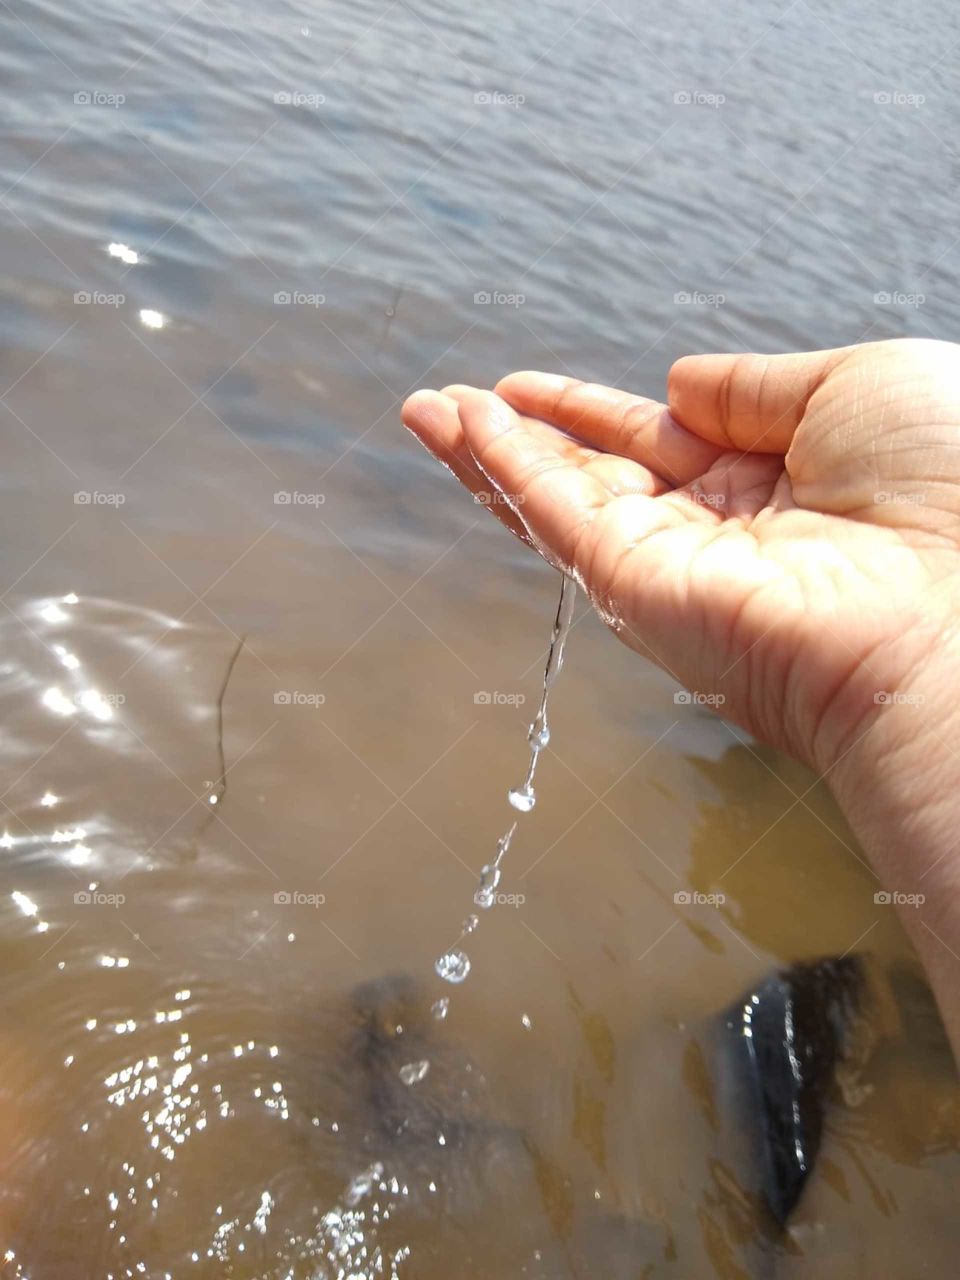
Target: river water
[{"x": 316, "y": 208}]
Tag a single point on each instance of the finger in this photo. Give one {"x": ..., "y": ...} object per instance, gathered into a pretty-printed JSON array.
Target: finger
[
  {"x": 561, "y": 490},
  {"x": 619, "y": 475},
  {"x": 747, "y": 402},
  {"x": 614, "y": 421},
  {"x": 433, "y": 418}
]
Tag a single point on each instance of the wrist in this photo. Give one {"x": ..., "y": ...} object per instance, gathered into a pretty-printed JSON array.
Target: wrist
[{"x": 897, "y": 781}]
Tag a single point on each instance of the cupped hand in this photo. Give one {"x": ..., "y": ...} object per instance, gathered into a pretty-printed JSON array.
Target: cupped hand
[{"x": 783, "y": 534}]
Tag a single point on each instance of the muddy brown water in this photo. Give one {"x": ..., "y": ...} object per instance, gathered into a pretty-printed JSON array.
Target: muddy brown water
[{"x": 189, "y": 1080}]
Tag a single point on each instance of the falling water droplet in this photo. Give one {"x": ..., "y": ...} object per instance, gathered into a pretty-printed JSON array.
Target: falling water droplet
[
  {"x": 439, "y": 1008},
  {"x": 414, "y": 1072},
  {"x": 539, "y": 735},
  {"x": 523, "y": 798},
  {"x": 486, "y": 890},
  {"x": 453, "y": 966},
  {"x": 363, "y": 1184},
  {"x": 470, "y": 924}
]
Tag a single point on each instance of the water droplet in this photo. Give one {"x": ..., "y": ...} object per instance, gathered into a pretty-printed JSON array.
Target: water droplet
[
  {"x": 539, "y": 735},
  {"x": 363, "y": 1184},
  {"x": 440, "y": 1007},
  {"x": 524, "y": 798},
  {"x": 486, "y": 890},
  {"x": 453, "y": 966},
  {"x": 414, "y": 1072},
  {"x": 470, "y": 924},
  {"x": 525, "y": 1019}
]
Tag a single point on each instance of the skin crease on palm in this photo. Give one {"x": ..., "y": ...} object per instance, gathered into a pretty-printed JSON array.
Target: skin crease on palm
[{"x": 784, "y": 531}]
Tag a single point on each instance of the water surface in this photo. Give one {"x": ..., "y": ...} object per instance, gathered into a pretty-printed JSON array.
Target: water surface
[{"x": 321, "y": 197}]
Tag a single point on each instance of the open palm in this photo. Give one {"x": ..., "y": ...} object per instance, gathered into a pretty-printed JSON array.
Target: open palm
[{"x": 784, "y": 535}]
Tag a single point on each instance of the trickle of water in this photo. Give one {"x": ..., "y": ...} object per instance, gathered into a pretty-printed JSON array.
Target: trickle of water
[
  {"x": 413, "y": 1072},
  {"x": 439, "y": 1008},
  {"x": 453, "y": 966}
]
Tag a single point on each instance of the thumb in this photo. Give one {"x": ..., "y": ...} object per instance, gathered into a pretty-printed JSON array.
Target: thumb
[{"x": 747, "y": 402}]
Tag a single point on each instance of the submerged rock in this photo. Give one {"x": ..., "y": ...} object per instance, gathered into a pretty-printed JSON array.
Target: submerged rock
[{"x": 784, "y": 1042}]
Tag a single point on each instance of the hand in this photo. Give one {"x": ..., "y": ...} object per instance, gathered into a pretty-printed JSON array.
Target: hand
[{"x": 785, "y": 532}]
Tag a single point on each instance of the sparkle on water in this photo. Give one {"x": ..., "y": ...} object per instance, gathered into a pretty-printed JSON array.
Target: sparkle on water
[{"x": 413, "y": 1072}]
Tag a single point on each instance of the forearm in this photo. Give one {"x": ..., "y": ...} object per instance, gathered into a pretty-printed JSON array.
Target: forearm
[{"x": 899, "y": 787}]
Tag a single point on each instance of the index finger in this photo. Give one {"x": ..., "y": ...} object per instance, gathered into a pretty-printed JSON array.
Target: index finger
[{"x": 615, "y": 421}]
